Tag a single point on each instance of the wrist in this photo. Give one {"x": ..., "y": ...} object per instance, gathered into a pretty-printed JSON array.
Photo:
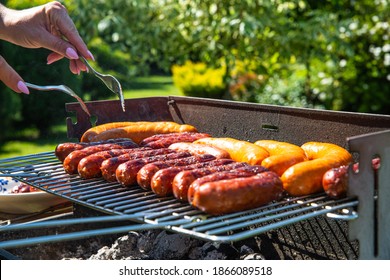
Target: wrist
[{"x": 3, "y": 12}]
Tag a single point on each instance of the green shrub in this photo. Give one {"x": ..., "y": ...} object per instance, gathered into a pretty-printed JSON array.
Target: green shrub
[{"x": 196, "y": 79}]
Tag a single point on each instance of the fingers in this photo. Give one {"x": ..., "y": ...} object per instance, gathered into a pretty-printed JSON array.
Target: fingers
[
  {"x": 63, "y": 27},
  {"x": 10, "y": 78}
]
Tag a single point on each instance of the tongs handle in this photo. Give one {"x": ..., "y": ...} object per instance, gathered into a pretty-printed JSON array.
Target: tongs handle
[{"x": 64, "y": 89}]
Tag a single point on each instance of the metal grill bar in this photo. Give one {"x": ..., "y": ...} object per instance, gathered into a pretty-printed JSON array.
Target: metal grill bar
[{"x": 145, "y": 207}]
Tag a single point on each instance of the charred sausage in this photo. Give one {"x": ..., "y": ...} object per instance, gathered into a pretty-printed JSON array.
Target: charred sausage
[
  {"x": 64, "y": 149},
  {"x": 238, "y": 194},
  {"x": 245, "y": 171},
  {"x": 126, "y": 173},
  {"x": 71, "y": 162},
  {"x": 335, "y": 181},
  {"x": 183, "y": 137},
  {"x": 145, "y": 174},
  {"x": 161, "y": 181},
  {"x": 182, "y": 181},
  {"x": 109, "y": 166},
  {"x": 90, "y": 166},
  {"x": 199, "y": 149}
]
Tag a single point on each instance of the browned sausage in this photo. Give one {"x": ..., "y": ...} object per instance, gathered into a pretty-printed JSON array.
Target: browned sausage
[
  {"x": 71, "y": 162},
  {"x": 64, "y": 149},
  {"x": 335, "y": 181},
  {"x": 238, "y": 194},
  {"x": 161, "y": 182},
  {"x": 245, "y": 171},
  {"x": 109, "y": 166},
  {"x": 199, "y": 149},
  {"x": 126, "y": 173},
  {"x": 90, "y": 166},
  {"x": 183, "y": 137},
  {"x": 145, "y": 174},
  {"x": 182, "y": 181}
]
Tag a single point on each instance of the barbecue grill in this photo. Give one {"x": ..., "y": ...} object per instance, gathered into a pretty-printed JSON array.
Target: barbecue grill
[{"x": 353, "y": 227}]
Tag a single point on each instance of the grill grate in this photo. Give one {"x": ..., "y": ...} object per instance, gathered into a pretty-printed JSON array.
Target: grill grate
[{"x": 45, "y": 172}]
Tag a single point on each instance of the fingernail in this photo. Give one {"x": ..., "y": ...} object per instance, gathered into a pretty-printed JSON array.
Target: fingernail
[
  {"x": 23, "y": 88},
  {"x": 91, "y": 55},
  {"x": 71, "y": 53}
]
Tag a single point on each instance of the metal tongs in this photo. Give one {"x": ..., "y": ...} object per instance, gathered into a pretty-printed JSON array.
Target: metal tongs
[
  {"x": 110, "y": 81},
  {"x": 62, "y": 88}
]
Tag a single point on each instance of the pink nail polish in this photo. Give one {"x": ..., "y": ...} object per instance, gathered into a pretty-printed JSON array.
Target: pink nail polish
[
  {"x": 71, "y": 53},
  {"x": 91, "y": 55},
  {"x": 23, "y": 88}
]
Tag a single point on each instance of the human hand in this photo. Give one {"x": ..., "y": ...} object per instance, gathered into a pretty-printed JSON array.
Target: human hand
[{"x": 48, "y": 26}]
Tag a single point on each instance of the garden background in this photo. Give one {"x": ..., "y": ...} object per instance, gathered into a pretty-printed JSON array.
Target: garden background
[{"x": 329, "y": 54}]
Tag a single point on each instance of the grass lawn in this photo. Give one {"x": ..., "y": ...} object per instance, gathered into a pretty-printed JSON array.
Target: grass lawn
[{"x": 29, "y": 143}]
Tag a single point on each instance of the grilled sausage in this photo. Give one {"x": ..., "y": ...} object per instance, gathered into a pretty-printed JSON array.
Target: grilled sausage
[
  {"x": 183, "y": 137},
  {"x": 245, "y": 171},
  {"x": 90, "y": 166},
  {"x": 182, "y": 181},
  {"x": 238, "y": 150},
  {"x": 64, "y": 149},
  {"x": 145, "y": 129},
  {"x": 157, "y": 137},
  {"x": 145, "y": 174},
  {"x": 282, "y": 155},
  {"x": 126, "y": 173},
  {"x": 71, "y": 162},
  {"x": 109, "y": 166},
  {"x": 161, "y": 181},
  {"x": 91, "y": 133},
  {"x": 306, "y": 177},
  {"x": 199, "y": 149},
  {"x": 335, "y": 181},
  {"x": 238, "y": 194}
]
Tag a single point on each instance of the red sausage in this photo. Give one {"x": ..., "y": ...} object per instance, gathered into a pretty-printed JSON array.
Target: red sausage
[
  {"x": 165, "y": 142},
  {"x": 64, "y": 149},
  {"x": 182, "y": 181},
  {"x": 161, "y": 182},
  {"x": 90, "y": 166},
  {"x": 145, "y": 174},
  {"x": 109, "y": 166},
  {"x": 246, "y": 171},
  {"x": 126, "y": 173},
  {"x": 71, "y": 162},
  {"x": 238, "y": 194}
]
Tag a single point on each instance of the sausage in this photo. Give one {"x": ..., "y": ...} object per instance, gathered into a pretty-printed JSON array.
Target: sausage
[
  {"x": 305, "y": 178},
  {"x": 126, "y": 173},
  {"x": 282, "y": 155},
  {"x": 109, "y": 166},
  {"x": 145, "y": 174},
  {"x": 143, "y": 130},
  {"x": 71, "y": 162},
  {"x": 183, "y": 137},
  {"x": 91, "y": 133},
  {"x": 335, "y": 181},
  {"x": 238, "y": 150},
  {"x": 157, "y": 137},
  {"x": 182, "y": 181},
  {"x": 199, "y": 149},
  {"x": 238, "y": 194},
  {"x": 245, "y": 171},
  {"x": 90, "y": 166},
  {"x": 161, "y": 181},
  {"x": 64, "y": 149}
]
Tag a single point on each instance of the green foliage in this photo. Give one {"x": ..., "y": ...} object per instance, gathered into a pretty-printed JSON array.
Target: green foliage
[{"x": 196, "y": 79}]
